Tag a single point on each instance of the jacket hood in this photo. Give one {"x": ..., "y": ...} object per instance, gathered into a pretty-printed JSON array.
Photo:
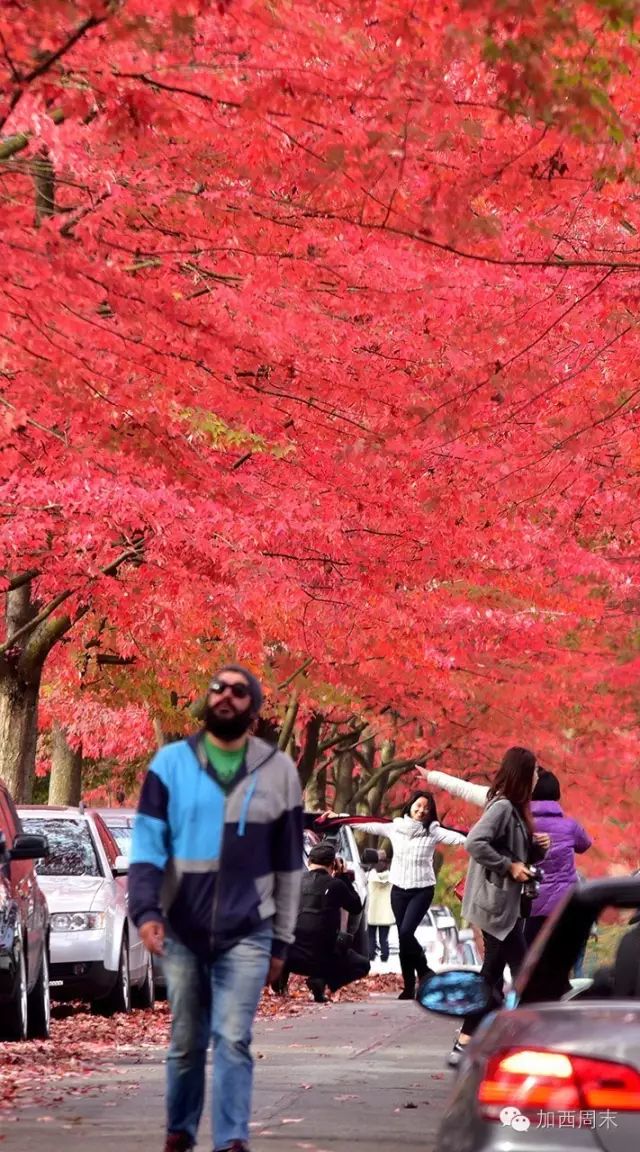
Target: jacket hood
[{"x": 546, "y": 808}]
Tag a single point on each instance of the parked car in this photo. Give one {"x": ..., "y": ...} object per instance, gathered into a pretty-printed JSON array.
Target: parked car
[
  {"x": 119, "y": 821},
  {"x": 96, "y": 952},
  {"x": 25, "y": 1009},
  {"x": 445, "y": 944},
  {"x": 559, "y": 1066}
]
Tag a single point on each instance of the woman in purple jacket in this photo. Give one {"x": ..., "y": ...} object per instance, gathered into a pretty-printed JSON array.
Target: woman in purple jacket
[
  {"x": 559, "y": 868},
  {"x": 567, "y": 838}
]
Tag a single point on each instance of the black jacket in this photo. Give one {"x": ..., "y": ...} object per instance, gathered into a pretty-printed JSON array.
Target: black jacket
[{"x": 322, "y": 899}]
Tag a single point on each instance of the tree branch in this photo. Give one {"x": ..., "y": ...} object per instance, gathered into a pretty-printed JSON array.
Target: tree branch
[
  {"x": 21, "y": 579},
  {"x": 298, "y": 672},
  {"x": 340, "y": 738},
  {"x": 31, "y": 625},
  {"x": 51, "y": 59},
  {"x": 109, "y": 570},
  {"x": 14, "y": 144},
  {"x": 461, "y": 253},
  {"x": 35, "y": 424},
  {"x": 42, "y": 641},
  {"x": 398, "y": 767}
]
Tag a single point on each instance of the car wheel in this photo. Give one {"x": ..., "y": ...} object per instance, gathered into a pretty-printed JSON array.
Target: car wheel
[
  {"x": 39, "y": 1005},
  {"x": 119, "y": 999},
  {"x": 145, "y": 995},
  {"x": 13, "y": 1018}
]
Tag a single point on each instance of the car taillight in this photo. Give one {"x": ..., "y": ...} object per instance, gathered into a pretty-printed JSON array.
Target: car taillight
[{"x": 537, "y": 1080}]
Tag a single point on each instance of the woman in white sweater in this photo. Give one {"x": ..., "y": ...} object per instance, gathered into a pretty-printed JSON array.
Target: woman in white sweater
[{"x": 414, "y": 836}]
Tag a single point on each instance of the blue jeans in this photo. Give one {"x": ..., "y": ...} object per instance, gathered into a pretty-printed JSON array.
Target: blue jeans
[{"x": 214, "y": 1000}]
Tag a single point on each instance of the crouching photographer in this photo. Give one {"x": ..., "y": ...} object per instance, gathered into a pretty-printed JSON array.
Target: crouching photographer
[{"x": 322, "y": 951}]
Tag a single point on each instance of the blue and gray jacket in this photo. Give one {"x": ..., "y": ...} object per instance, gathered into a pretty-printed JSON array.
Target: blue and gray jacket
[{"x": 215, "y": 867}]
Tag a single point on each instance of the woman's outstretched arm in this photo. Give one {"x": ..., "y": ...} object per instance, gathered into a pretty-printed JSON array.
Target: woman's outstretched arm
[{"x": 462, "y": 789}]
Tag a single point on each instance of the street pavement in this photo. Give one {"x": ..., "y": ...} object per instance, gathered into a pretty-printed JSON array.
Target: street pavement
[{"x": 337, "y": 1077}]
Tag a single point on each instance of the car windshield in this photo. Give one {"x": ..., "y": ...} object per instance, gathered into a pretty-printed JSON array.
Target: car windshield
[
  {"x": 71, "y": 850},
  {"x": 122, "y": 834}
]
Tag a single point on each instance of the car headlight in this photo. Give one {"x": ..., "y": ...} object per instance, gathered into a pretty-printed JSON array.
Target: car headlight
[{"x": 76, "y": 921}]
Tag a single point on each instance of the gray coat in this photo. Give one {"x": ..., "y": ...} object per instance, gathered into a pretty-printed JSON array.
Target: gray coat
[{"x": 491, "y": 898}]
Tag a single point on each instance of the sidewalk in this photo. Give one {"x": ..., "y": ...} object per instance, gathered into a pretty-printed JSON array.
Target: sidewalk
[{"x": 339, "y": 1077}]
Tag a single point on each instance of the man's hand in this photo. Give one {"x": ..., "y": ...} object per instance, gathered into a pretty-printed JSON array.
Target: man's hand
[
  {"x": 152, "y": 936},
  {"x": 276, "y": 968},
  {"x": 543, "y": 839}
]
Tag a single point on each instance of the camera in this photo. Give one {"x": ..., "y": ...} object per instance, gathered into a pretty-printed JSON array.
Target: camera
[
  {"x": 344, "y": 940},
  {"x": 531, "y": 887}
]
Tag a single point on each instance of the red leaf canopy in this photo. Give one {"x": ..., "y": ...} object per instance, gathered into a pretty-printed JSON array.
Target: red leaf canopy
[{"x": 333, "y": 309}]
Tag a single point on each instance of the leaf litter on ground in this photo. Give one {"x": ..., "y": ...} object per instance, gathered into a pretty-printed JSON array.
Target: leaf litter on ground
[{"x": 86, "y": 1051}]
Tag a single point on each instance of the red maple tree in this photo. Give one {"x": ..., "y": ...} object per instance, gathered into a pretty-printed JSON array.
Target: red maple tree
[{"x": 318, "y": 330}]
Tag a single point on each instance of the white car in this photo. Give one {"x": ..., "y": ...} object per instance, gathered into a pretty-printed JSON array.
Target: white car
[
  {"x": 119, "y": 821},
  {"x": 96, "y": 953},
  {"x": 445, "y": 945}
]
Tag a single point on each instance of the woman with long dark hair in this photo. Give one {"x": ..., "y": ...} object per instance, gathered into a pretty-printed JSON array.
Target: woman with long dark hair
[
  {"x": 502, "y": 846},
  {"x": 414, "y": 836}
]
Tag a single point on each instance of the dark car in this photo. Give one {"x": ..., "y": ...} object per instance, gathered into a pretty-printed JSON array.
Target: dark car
[
  {"x": 559, "y": 1067},
  {"x": 24, "y": 931}
]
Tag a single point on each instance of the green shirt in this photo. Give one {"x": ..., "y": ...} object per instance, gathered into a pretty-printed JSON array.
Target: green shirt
[{"x": 226, "y": 763}]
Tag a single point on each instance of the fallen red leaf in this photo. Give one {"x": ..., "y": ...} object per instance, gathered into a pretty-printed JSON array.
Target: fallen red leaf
[{"x": 83, "y": 1045}]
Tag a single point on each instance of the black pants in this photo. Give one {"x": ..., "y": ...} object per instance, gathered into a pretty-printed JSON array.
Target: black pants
[
  {"x": 379, "y": 932},
  {"x": 335, "y": 969},
  {"x": 410, "y": 906},
  {"x": 497, "y": 954},
  {"x": 532, "y": 926}
]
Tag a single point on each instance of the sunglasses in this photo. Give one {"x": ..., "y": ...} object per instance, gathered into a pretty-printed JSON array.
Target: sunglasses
[{"x": 240, "y": 691}]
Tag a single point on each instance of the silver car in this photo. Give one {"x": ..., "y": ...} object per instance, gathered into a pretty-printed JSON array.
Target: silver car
[
  {"x": 96, "y": 953},
  {"x": 119, "y": 821},
  {"x": 558, "y": 1068}
]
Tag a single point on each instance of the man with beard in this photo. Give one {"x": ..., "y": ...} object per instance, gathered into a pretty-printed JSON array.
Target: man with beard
[{"x": 214, "y": 883}]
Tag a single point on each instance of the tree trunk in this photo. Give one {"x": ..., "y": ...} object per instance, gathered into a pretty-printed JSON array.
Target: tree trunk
[
  {"x": 21, "y": 664},
  {"x": 44, "y": 179},
  {"x": 309, "y": 756},
  {"x": 158, "y": 732},
  {"x": 288, "y": 724},
  {"x": 316, "y": 792},
  {"x": 343, "y": 775},
  {"x": 65, "y": 785},
  {"x": 366, "y": 757},
  {"x": 376, "y": 795},
  {"x": 18, "y": 731}
]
